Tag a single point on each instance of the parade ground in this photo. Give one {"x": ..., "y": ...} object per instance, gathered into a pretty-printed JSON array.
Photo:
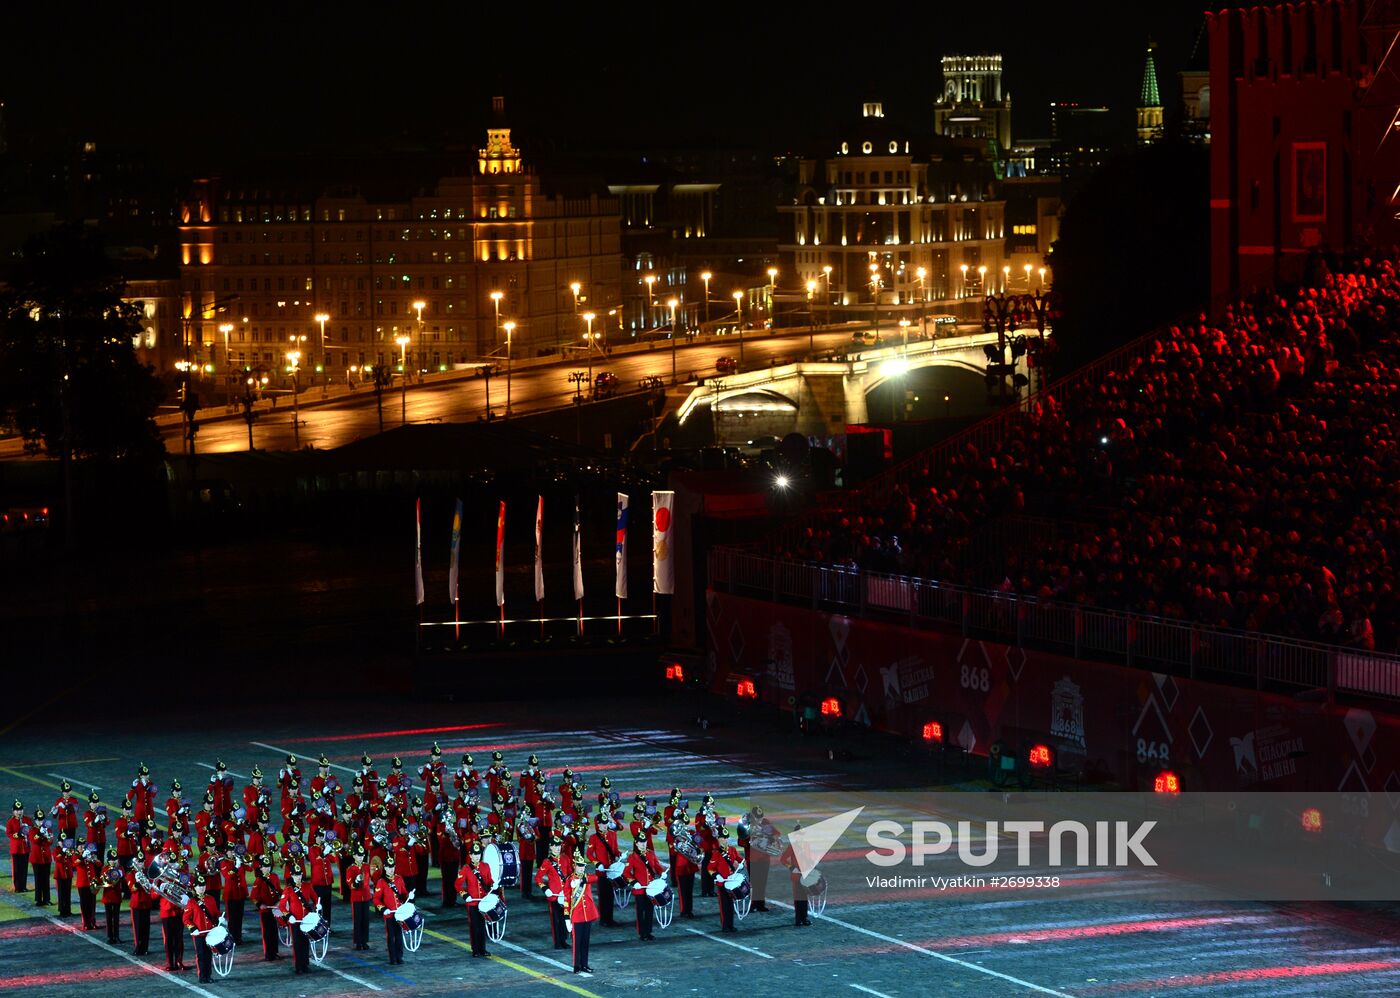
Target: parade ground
[{"x": 1103, "y": 941}]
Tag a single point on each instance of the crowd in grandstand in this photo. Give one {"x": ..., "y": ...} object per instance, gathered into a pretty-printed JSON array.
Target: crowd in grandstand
[{"x": 1245, "y": 474}]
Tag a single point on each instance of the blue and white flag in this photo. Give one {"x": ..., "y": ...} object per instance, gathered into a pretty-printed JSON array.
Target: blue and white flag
[{"x": 620, "y": 588}]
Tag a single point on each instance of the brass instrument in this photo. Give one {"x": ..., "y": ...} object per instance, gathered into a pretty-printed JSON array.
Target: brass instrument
[
  {"x": 683, "y": 843},
  {"x": 167, "y": 883}
]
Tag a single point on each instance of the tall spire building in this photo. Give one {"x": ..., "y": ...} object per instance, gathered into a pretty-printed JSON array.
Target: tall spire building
[{"x": 1149, "y": 112}]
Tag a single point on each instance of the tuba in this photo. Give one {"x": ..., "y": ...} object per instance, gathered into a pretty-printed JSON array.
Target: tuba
[
  {"x": 166, "y": 884},
  {"x": 684, "y": 844}
]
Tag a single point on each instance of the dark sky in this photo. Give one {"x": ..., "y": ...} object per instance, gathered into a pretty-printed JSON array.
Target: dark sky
[{"x": 196, "y": 81}]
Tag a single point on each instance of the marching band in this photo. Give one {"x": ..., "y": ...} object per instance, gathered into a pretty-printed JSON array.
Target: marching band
[{"x": 488, "y": 835}]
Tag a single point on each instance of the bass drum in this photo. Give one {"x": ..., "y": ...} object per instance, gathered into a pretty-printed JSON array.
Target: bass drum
[
  {"x": 504, "y": 864},
  {"x": 221, "y": 945},
  {"x": 493, "y": 912}
]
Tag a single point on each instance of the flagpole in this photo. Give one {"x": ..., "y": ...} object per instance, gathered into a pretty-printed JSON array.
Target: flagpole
[
  {"x": 619, "y": 616},
  {"x": 580, "y": 618},
  {"x": 503, "y": 621},
  {"x": 540, "y": 607},
  {"x": 456, "y": 622}
]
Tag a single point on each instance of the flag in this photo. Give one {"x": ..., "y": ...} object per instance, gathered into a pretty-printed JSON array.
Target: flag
[
  {"x": 456, "y": 547},
  {"x": 539, "y": 552},
  {"x": 500, "y": 555},
  {"x": 578, "y": 556},
  {"x": 663, "y": 564},
  {"x": 620, "y": 587},
  {"x": 418, "y": 550}
]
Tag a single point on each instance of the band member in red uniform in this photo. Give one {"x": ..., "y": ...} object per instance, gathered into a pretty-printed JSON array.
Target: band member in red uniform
[
  {"x": 345, "y": 837},
  {"x": 113, "y": 886},
  {"x": 421, "y": 858},
  {"x": 173, "y": 803},
  {"x": 799, "y": 893},
  {"x": 323, "y": 864},
  {"x": 361, "y": 882},
  {"x": 389, "y": 893},
  {"x": 581, "y": 911},
  {"x": 704, "y": 826},
  {"x": 265, "y": 893},
  {"x": 290, "y": 771},
  {"x": 292, "y": 799},
  {"x": 759, "y": 861},
  {"x": 643, "y": 866},
  {"x": 526, "y": 835},
  {"x": 17, "y": 828},
  {"x": 173, "y": 935},
  {"x": 371, "y": 781},
  {"x": 234, "y": 874},
  {"x": 603, "y": 850},
  {"x": 255, "y": 793},
  {"x": 324, "y": 781},
  {"x": 449, "y": 857},
  {"x": 142, "y": 795},
  {"x": 296, "y": 902},
  {"x": 474, "y": 883},
  {"x": 127, "y": 831},
  {"x": 65, "y": 813},
  {"x": 550, "y": 878},
  {"x": 64, "y": 859},
  {"x": 142, "y": 901},
  {"x": 201, "y": 914},
  {"x": 682, "y": 868},
  {"x": 221, "y": 785},
  {"x": 433, "y": 767},
  {"x": 40, "y": 857},
  {"x": 397, "y": 783},
  {"x": 724, "y": 862},
  {"x": 86, "y": 873}
]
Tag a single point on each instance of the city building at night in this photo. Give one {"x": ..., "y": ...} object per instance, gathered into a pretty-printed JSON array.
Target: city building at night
[
  {"x": 445, "y": 268},
  {"x": 1149, "y": 109},
  {"x": 973, "y": 104},
  {"x": 896, "y": 217}
]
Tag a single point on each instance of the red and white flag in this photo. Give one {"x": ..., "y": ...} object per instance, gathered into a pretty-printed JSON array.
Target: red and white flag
[
  {"x": 539, "y": 551},
  {"x": 663, "y": 562},
  {"x": 500, "y": 555}
]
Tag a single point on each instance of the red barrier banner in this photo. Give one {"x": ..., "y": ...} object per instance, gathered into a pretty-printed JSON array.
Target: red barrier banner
[{"x": 1108, "y": 722}]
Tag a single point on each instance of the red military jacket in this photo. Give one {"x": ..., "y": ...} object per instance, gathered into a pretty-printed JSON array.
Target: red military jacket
[
  {"x": 40, "y": 847},
  {"x": 465, "y": 781},
  {"x": 789, "y": 860},
  {"x": 361, "y": 886},
  {"x": 474, "y": 883},
  {"x": 447, "y": 852},
  {"x": 63, "y": 864},
  {"x": 112, "y": 893},
  {"x": 209, "y": 866},
  {"x": 723, "y": 862},
  {"x": 143, "y": 800},
  {"x": 141, "y": 899},
  {"x": 96, "y": 830},
  {"x": 223, "y": 794},
  {"x": 201, "y": 914},
  {"x": 388, "y": 895},
  {"x": 67, "y": 815},
  {"x": 172, "y": 805},
  {"x": 549, "y": 877},
  {"x": 584, "y": 909},
  {"x": 126, "y": 831},
  {"x": 251, "y": 794},
  {"x": 322, "y": 869},
  {"x": 641, "y": 867},
  {"x": 18, "y": 831},
  {"x": 85, "y": 872},
  {"x": 319, "y": 782},
  {"x": 604, "y": 848},
  {"x": 234, "y": 874},
  {"x": 266, "y": 889},
  {"x": 170, "y": 910},
  {"x": 297, "y": 903}
]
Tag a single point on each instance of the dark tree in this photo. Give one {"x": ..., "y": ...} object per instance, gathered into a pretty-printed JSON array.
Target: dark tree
[
  {"x": 1134, "y": 249},
  {"x": 70, "y": 382}
]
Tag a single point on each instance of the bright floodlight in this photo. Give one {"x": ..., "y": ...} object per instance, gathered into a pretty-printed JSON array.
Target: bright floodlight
[
  {"x": 896, "y": 366},
  {"x": 781, "y": 481}
]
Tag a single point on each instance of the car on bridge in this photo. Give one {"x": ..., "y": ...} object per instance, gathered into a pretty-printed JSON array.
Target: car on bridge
[
  {"x": 726, "y": 365},
  {"x": 605, "y": 385}
]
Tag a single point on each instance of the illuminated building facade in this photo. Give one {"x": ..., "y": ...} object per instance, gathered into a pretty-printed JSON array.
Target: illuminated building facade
[
  {"x": 1149, "y": 109},
  {"x": 973, "y": 104},
  {"x": 898, "y": 203},
  {"x": 268, "y": 261}
]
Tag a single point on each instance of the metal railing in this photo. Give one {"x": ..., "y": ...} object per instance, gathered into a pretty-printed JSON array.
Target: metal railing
[{"x": 1138, "y": 640}]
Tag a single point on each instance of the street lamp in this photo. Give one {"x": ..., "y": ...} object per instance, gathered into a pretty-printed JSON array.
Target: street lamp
[
  {"x": 772, "y": 286},
  {"x": 323, "y": 318},
  {"x": 1005, "y": 277},
  {"x": 402, "y": 341},
  {"x": 982, "y": 279},
  {"x": 509, "y": 328},
  {"x": 1042, "y": 279},
  {"x": 575, "y": 287},
  {"x": 1027, "y": 269},
  {"x": 293, "y": 360},
  {"x": 671, "y": 303},
  {"x": 963, "y": 268},
  {"x": 651, "y": 303},
  {"x": 418, "y": 306},
  {"x": 826, "y": 298},
  {"x": 226, "y": 328},
  {"x": 496, "y": 301},
  {"x": 705, "y": 276},
  {"x": 811, "y": 322},
  {"x": 875, "y": 284},
  {"x": 904, "y": 329},
  {"x": 739, "y": 311},
  {"x": 588, "y": 317}
]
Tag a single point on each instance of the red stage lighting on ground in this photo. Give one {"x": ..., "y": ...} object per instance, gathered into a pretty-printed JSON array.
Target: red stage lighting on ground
[
  {"x": 1166, "y": 782},
  {"x": 744, "y": 689},
  {"x": 1312, "y": 820},
  {"x": 933, "y": 732},
  {"x": 1039, "y": 756},
  {"x": 831, "y": 708}
]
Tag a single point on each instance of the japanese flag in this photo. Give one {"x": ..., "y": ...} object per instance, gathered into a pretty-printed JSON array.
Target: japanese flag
[
  {"x": 500, "y": 555},
  {"x": 663, "y": 562}
]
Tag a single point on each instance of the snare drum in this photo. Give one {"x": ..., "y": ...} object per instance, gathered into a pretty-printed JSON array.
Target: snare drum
[
  {"x": 615, "y": 871},
  {"x": 492, "y": 908},
  {"x": 407, "y": 916},
  {"x": 219, "y": 940},
  {"x": 314, "y": 926},
  {"x": 660, "y": 892},
  {"x": 737, "y": 885}
]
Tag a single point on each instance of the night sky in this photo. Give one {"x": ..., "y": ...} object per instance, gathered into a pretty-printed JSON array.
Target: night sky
[{"x": 196, "y": 83}]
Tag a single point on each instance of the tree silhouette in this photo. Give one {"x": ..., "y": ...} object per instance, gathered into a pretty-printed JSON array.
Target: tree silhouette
[{"x": 70, "y": 382}]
